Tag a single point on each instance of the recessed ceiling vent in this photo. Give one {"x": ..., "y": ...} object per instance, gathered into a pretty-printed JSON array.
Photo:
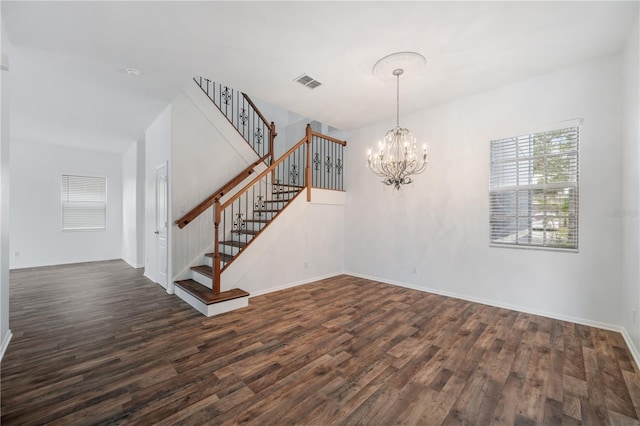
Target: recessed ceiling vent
[{"x": 307, "y": 81}]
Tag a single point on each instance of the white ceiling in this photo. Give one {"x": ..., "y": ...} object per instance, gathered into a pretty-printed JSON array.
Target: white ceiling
[{"x": 67, "y": 60}]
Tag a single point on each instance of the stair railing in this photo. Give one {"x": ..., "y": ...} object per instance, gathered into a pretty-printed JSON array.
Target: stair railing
[
  {"x": 208, "y": 202},
  {"x": 327, "y": 161},
  {"x": 243, "y": 115},
  {"x": 270, "y": 192},
  {"x": 257, "y": 203}
]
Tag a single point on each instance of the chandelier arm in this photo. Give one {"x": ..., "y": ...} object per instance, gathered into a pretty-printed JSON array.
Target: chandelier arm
[
  {"x": 403, "y": 169},
  {"x": 391, "y": 169},
  {"x": 422, "y": 168}
]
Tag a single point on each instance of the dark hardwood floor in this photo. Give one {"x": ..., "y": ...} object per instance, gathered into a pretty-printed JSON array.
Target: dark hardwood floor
[{"x": 97, "y": 343}]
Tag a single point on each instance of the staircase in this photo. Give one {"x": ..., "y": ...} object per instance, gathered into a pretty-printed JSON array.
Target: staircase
[
  {"x": 243, "y": 209},
  {"x": 201, "y": 285}
]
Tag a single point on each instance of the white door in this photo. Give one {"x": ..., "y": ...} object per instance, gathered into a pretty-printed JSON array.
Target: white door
[{"x": 162, "y": 199}]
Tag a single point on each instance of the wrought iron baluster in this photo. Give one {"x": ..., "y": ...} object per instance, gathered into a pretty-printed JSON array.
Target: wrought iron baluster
[{"x": 224, "y": 231}]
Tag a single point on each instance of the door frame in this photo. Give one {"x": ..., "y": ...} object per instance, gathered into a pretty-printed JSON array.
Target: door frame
[{"x": 169, "y": 286}]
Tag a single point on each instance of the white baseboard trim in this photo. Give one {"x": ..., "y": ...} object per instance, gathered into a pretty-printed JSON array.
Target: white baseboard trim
[
  {"x": 583, "y": 321},
  {"x": 149, "y": 277},
  {"x": 294, "y": 284},
  {"x": 632, "y": 347},
  {"x": 5, "y": 343},
  {"x": 67, "y": 262},
  {"x": 133, "y": 264}
]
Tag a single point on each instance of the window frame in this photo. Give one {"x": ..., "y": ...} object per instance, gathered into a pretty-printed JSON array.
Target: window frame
[
  {"x": 499, "y": 173},
  {"x": 101, "y": 204}
]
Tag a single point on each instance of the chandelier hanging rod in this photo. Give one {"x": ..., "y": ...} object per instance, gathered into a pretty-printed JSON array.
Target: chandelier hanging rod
[{"x": 398, "y": 72}]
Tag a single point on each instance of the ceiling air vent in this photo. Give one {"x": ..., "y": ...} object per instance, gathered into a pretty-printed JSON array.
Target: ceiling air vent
[{"x": 307, "y": 81}]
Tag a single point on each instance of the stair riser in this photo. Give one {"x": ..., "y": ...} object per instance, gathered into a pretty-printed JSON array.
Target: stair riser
[
  {"x": 254, "y": 226},
  {"x": 283, "y": 197},
  {"x": 229, "y": 249},
  {"x": 279, "y": 205},
  {"x": 263, "y": 215},
  {"x": 209, "y": 262},
  {"x": 245, "y": 238},
  {"x": 201, "y": 279}
]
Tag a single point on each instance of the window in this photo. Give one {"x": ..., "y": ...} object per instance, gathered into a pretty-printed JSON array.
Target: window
[
  {"x": 534, "y": 190},
  {"x": 84, "y": 203}
]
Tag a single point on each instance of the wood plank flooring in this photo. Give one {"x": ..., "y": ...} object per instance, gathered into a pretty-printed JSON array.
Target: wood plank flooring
[{"x": 98, "y": 343}]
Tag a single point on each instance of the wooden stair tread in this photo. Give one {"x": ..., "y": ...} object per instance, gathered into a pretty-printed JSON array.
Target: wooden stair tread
[
  {"x": 205, "y": 270},
  {"x": 289, "y": 191},
  {"x": 206, "y": 295},
  {"x": 275, "y": 201},
  {"x": 257, "y": 220},
  {"x": 234, "y": 243},
  {"x": 288, "y": 185},
  {"x": 267, "y": 210},
  {"x": 245, "y": 231},
  {"x": 223, "y": 256}
]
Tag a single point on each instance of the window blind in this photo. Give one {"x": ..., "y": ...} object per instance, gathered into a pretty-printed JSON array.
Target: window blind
[
  {"x": 534, "y": 195},
  {"x": 84, "y": 203}
]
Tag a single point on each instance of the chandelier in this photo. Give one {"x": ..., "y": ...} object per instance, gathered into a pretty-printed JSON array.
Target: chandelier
[{"x": 396, "y": 158}]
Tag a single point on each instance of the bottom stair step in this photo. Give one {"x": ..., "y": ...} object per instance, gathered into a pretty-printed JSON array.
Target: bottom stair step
[{"x": 205, "y": 294}]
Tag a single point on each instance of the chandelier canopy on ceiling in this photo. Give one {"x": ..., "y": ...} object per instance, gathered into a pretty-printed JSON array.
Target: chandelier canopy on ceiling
[{"x": 396, "y": 158}]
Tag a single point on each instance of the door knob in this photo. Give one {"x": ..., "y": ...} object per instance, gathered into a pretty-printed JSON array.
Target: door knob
[{"x": 157, "y": 232}]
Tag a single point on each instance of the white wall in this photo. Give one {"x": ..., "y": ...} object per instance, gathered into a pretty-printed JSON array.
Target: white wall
[
  {"x": 440, "y": 225},
  {"x": 5, "y": 333},
  {"x": 290, "y": 127},
  {"x": 630, "y": 211},
  {"x": 157, "y": 151},
  {"x": 133, "y": 205},
  {"x": 140, "y": 204},
  {"x": 36, "y": 212}
]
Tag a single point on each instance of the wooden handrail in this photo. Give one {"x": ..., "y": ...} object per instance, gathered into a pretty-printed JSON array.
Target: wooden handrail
[
  {"x": 329, "y": 138},
  {"x": 272, "y": 138},
  {"x": 208, "y": 202},
  {"x": 263, "y": 174}
]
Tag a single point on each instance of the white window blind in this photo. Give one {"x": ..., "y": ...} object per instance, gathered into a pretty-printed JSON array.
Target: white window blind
[
  {"x": 534, "y": 190},
  {"x": 84, "y": 203}
]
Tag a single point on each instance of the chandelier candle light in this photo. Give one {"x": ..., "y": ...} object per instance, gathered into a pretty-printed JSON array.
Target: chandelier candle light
[{"x": 397, "y": 158}]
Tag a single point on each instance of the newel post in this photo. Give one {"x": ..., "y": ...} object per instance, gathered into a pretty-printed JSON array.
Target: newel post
[
  {"x": 308, "y": 167},
  {"x": 216, "y": 248},
  {"x": 272, "y": 138}
]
